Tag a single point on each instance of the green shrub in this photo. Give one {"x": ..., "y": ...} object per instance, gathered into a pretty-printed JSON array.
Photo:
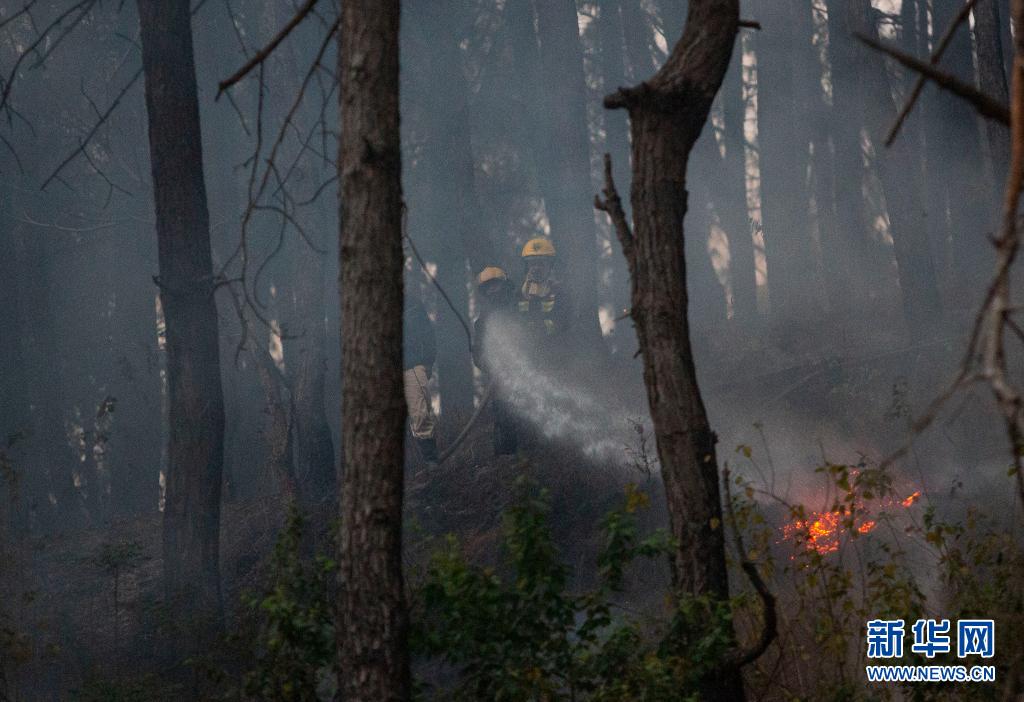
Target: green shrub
[
  {"x": 295, "y": 654},
  {"x": 525, "y": 635}
]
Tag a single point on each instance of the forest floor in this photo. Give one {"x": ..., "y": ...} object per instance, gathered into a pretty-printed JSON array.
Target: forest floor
[{"x": 88, "y": 599}]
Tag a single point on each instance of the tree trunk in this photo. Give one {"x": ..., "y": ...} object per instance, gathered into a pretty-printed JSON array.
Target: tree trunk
[
  {"x": 988, "y": 35},
  {"x": 564, "y": 159},
  {"x": 616, "y": 130},
  {"x": 857, "y": 266},
  {"x": 313, "y": 451},
  {"x": 373, "y": 622},
  {"x": 732, "y": 200},
  {"x": 613, "y": 72},
  {"x": 784, "y": 158},
  {"x": 196, "y": 405},
  {"x": 899, "y": 174},
  {"x": 667, "y": 114},
  {"x": 440, "y": 190},
  {"x": 958, "y": 195}
]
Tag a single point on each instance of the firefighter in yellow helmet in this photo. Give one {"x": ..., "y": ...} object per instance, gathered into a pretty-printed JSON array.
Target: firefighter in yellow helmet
[
  {"x": 495, "y": 297},
  {"x": 544, "y": 308}
]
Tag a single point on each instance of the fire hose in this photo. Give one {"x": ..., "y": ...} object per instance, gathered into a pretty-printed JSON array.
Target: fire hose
[{"x": 484, "y": 399}]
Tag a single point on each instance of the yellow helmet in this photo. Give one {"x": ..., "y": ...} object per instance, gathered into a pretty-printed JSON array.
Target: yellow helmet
[
  {"x": 539, "y": 246},
  {"x": 490, "y": 273}
]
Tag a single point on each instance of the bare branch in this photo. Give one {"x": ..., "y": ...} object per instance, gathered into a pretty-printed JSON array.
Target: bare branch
[
  {"x": 262, "y": 55},
  {"x": 940, "y": 49},
  {"x": 739, "y": 657},
  {"x": 985, "y": 359},
  {"x": 434, "y": 281},
  {"x": 749, "y": 24},
  {"x": 85, "y": 142},
  {"x": 60, "y": 37},
  {"x": 14, "y": 153},
  {"x": 24, "y": 8},
  {"x": 612, "y": 205},
  {"x": 8, "y": 84},
  {"x": 985, "y": 105}
]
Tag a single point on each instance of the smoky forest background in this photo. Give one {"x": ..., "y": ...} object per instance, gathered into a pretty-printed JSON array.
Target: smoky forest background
[{"x": 787, "y": 400}]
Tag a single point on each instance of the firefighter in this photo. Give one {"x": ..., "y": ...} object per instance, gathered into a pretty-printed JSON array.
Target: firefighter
[
  {"x": 544, "y": 308},
  {"x": 419, "y": 351},
  {"x": 495, "y": 296}
]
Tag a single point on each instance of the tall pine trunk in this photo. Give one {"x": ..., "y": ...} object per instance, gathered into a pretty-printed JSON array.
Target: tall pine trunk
[
  {"x": 563, "y": 161},
  {"x": 899, "y": 173},
  {"x": 988, "y": 35},
  {"x": 784, "y": 159},
  {"x": 856, "y": 265},
  {"x": 191, "y": 533},
  {"x": 957, "y": 194},
  {"x": 732, "y": 200},
  {"x": 667, "y": 114},
  {"x": 440, "y": 188},
  {"x": 373, "y": 623}
]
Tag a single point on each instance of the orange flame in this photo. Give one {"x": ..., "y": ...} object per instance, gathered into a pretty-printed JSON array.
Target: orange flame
[
  {"x": 822, "y": 531},
  {"x": 911, "y": 498}
]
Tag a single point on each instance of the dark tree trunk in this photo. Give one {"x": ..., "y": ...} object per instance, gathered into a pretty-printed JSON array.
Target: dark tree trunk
[
  {"x": 667, "y": 114},
  {"x": 784, "y": 159},
  {"x": 611, "y": 42},
  {"x": 20, "y": 488},
  {"x": 441, "y": 190},
  {"x": 957, "y": 192},
  {"x": 563, "y": 160},
  {"x": 313, "y": 446},
  {"x": 813, "y": 103},
  {"x": 196, "y": 406},
  {"x": 277, "y": 455},
  {"x": 900, "y": 175},
  {"x": 853, "y": 259},
  {"x": 373, "y": 622},
  {"x": 988, "y": 34},
  {"x": 613, "y": 72},
  {"x": 732, "y": 200},
  {"x": 638, "y": 40}
]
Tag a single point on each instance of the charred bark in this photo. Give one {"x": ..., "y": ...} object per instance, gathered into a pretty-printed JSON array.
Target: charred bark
[
  {"x": 373, "y": 622},
  {"x": 191, "y": 531},
  {"x": 667, "y": 114}
]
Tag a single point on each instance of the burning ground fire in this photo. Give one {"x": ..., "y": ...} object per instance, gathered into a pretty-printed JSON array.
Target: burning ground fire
[{"x": 822, "y": 531}]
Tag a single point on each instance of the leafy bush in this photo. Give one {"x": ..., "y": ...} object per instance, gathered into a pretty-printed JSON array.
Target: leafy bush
[
  {"x": 885, "y": 556},
  {"x": 524, "y": 635},
  {"x": 295, "y": 623}
]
